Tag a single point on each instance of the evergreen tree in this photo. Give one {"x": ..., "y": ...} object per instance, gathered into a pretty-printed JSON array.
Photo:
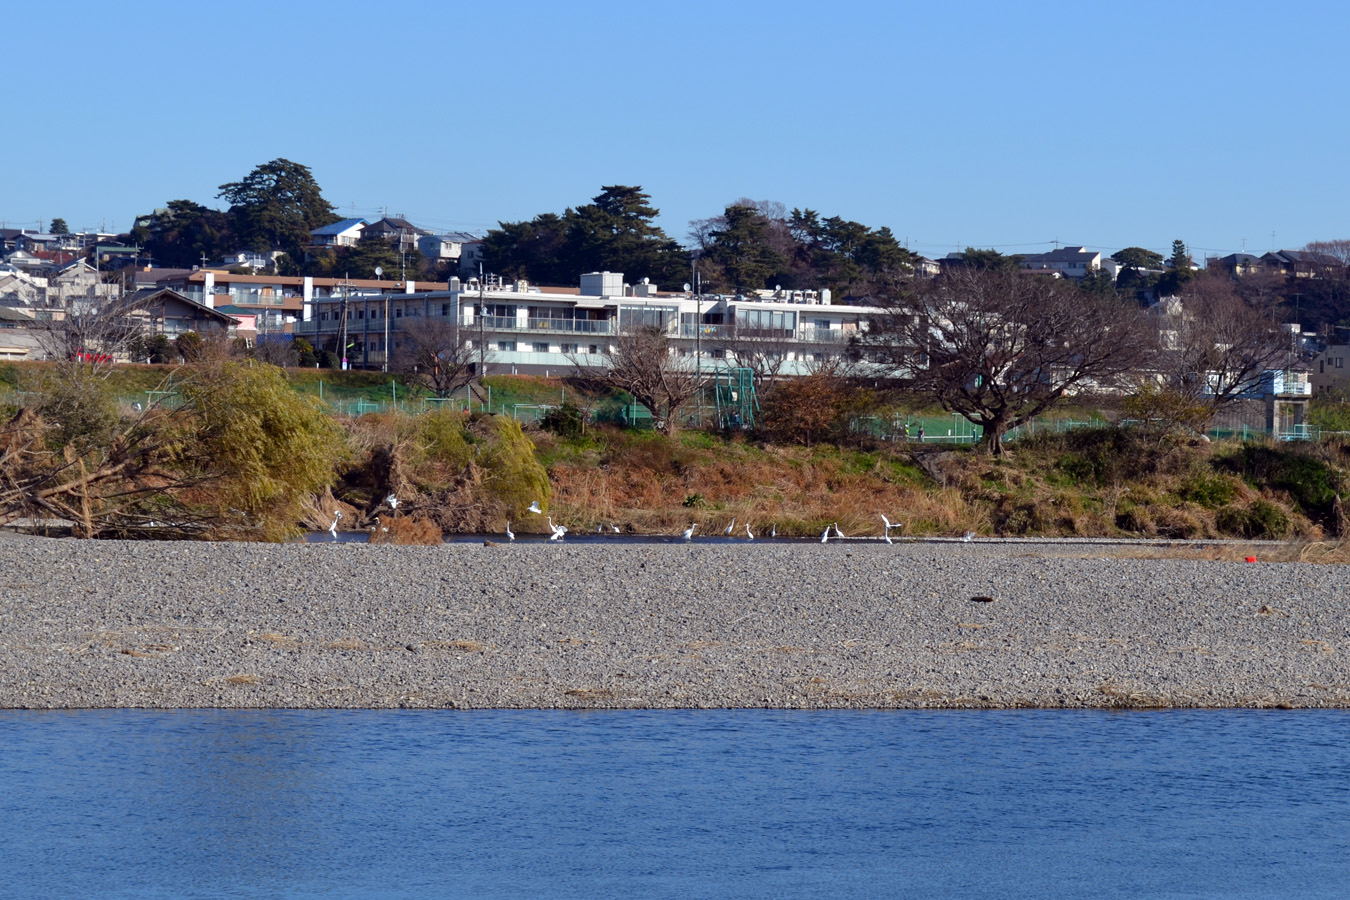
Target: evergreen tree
[
  {"x": 742, "y": 250},
  {"x": 276, "y": 206},
  {"x": 59, "y": 226},
  {"x": 616, "y": 231},
  {"x": 179, "y": 235},
  {"x": 1179, "y": 272}
]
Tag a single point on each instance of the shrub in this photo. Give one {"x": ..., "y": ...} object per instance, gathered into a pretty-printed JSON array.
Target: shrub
[
  {"x": 1312, "y": 482},
  {"x": 1210, "y": 491},
  {"x": 1261, "y": 519},
  {"x": 514, "y": 477},
  {"x": 566, "y": 421},
  {"x": 264, "y": 446}
]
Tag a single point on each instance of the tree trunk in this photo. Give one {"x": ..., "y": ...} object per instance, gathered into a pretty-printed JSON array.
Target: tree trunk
[{"x": 991, "y": 441}]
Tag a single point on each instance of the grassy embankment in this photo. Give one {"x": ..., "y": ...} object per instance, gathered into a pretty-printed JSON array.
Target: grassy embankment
[{"x": 1092, "y": 482}]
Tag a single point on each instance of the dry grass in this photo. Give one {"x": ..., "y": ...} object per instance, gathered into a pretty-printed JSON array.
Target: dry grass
[
  {"x": 407, "y": 531},
  {"x": 1300, "y": 551},
  {"x": 243, "y": 679}
]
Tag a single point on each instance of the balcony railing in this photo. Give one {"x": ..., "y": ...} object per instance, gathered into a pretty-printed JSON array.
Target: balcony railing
[{"x": 566, "y": 326}]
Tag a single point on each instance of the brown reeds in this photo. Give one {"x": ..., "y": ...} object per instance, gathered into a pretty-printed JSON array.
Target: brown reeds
[{"x": 406, "y": 531}]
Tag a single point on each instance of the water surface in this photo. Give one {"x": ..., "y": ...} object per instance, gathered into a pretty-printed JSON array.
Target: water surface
[{"x": 687, "y": 804}]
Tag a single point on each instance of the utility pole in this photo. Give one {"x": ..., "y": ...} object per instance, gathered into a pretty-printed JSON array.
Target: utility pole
[
  {"x": 342, "y": 329},
  {"x": 482, "y": 362}
]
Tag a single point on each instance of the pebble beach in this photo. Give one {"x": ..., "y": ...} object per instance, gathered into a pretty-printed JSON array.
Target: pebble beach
[{"x": 849, "y": 624}]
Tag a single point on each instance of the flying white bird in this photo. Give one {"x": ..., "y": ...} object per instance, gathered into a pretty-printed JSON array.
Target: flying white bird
[
  {"x": 731, "y": 526},
  {"x": 688, "y": 534},
  {"x": 534, "y": 508},
  {"x": 392, "y": 501},
  {"x": 888, "y": 539},
  {"x": 748, "y": 533},
  {"x": 887, "y": 522},
  {"x": 510, "y": 535}
]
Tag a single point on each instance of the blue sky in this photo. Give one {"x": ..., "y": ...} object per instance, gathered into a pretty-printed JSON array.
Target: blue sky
[{"x": 1010, "y": 125}]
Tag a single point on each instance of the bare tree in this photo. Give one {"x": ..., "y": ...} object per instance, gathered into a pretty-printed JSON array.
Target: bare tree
[
  {"x": 1214, "y": 348},
  {"x": 93, "y": 334},
  {"x": 437, "y": 355},
  {"x": 1000, "y": 348},
  {"x": 642, "y": 363}
]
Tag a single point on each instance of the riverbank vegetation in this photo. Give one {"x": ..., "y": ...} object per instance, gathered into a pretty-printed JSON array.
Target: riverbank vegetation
[{"x": 240, "y": 451}]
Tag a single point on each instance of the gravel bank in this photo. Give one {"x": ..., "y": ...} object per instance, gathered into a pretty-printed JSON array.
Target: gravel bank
[{"x": 846, "y": 624}]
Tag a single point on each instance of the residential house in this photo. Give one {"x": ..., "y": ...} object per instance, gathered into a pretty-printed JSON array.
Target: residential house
[
  {"x": 167, "y": 312},
  {"x": 20, "y": 288},
  {"x": 926, "y": 268},
  {"x": 458, "y": 247},
  {"x": 78, "y": 279},
  {"x": 1300, "y": 263},
  {"x": 250, "y": 259},
  {"x": 18, "y": 339},
  {"x": 1331, "y": 369},
  {"x": 1235, "y": 264},
  {"x": 400, "y": 232},
  {"x": 1068, "y": 262},
  {"x": 345, "y": 233}
]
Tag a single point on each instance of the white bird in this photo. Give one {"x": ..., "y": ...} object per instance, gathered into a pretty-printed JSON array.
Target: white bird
[
  {"x": 731, "y": 526},
  {"x": 558, "y": 530},
  {"x": 825, "y": 535},
  {"x": 887, "y": 522},
  {"x": 392, "y": 501},
  {"x": 614, "y": 528},
  {"x": 378, "y": 525},
  {"x": 837, "y": 532},
  {"x": 773, "y": 532},
  {"x": 748, "y": 533},
  {"x": 599, "y": 529},
  {"x": 967, "y": 536},
  {"x": 888, "y": 539},
  {"x": 332, "y": 529},
  {"x": 510, "y": 535},
  {"x": 689, "y": 532},
  {"x": 534, "y": 508}
]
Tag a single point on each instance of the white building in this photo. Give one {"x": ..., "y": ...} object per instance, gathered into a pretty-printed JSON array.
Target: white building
[{"x": 532, "y": 331}]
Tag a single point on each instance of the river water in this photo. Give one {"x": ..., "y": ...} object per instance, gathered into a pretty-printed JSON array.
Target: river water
[{"x": 674, "y": 804}]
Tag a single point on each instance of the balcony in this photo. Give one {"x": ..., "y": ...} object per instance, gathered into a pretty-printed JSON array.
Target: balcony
[{"x": 562, "y": 326}]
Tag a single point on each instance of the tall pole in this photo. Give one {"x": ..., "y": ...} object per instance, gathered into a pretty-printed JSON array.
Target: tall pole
[
  {"x": 698, "y": 340},
  {"x": 482, "y": 362}
]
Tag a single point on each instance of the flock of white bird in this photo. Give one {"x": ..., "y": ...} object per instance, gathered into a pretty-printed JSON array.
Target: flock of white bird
[{"x": 557, "y": 532}]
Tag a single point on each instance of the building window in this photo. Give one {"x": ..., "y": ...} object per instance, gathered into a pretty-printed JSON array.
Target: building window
[
  {"x": 540, "y": 347},
  {"x": 569, "y": 348},
  {"x": 594, "y": 348},
  {"x": 398, "y": 313},
  {"x": 1340, "y": 362},
  {"x": 445, "y": 309},
  {"x": 506, "y": 346}
]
